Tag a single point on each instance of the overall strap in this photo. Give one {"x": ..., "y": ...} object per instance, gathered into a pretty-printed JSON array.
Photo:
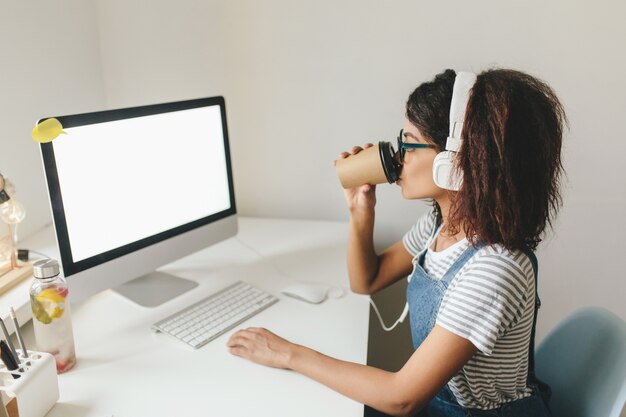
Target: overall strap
[
  {"x": 531, "y": 346},
  {"x": 539, "y": 387},
  {"x": 458, "y": 264}
]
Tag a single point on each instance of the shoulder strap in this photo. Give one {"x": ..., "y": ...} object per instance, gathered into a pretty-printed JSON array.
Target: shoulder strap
[
  {"x": 538, "y": 386},
  {"x": 531, "y": 346},
  {"x": 460, "y": 262}
]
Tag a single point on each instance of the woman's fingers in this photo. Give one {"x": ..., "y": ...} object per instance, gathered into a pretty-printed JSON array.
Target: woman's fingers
[
  {"x": 257, "y": 330},
  {"x": 238, "y": 351},
  {"x": 354, "y": 151},
  {"x": 240, "y": 337}
]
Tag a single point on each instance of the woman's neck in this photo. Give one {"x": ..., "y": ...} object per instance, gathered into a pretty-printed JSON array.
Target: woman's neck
[{"x": 444, "y": 238}]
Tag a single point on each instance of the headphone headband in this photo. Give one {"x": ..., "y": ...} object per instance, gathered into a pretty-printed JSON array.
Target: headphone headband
[
  {"x": 463, "y": 83},
  {"x": 445, "y": 174}
]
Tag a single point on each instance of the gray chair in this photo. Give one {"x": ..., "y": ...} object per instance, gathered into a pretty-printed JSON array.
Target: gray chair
[{"x": 584, "y": 361}]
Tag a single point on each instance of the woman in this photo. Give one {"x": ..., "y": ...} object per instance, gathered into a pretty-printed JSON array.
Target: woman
[{"x": 472, "y": 293}]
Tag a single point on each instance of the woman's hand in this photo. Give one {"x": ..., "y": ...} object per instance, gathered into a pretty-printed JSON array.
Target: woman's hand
[
  {"x": 363, "y": 198},
  {"x": 261, "y": 346}
]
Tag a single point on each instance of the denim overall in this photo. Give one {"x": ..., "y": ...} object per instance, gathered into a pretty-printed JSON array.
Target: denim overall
[{"x": 424, "y": 296}]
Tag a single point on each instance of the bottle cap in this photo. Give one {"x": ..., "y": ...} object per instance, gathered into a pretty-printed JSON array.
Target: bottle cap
[{"x": 46, "y": 268}]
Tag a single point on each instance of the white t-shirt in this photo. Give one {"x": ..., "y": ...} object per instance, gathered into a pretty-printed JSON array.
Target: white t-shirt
[{"x": 490, "y": 302}]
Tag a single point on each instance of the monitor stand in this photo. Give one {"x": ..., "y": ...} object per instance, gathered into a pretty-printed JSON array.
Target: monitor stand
[{"x": 155, "y": 288}]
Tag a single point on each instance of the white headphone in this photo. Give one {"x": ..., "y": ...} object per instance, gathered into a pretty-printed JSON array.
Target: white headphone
[{"x": 445, "y": 173}]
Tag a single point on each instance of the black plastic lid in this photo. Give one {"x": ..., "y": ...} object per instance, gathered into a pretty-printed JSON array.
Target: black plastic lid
[{"x": 390, "y": 167}]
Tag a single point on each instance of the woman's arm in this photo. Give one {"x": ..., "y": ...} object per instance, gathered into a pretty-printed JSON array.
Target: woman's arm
[
  {"x": 400, "y": 393},
  {"x": 368, "y": 271}
]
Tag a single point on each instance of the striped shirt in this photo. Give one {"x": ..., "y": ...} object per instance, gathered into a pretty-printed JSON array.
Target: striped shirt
[{"x": 489, "y": 302}]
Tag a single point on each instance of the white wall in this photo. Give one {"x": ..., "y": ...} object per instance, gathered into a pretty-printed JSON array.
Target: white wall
[
  {"x": 49, "y": 66},
  {"x": 304, "y": 80}
]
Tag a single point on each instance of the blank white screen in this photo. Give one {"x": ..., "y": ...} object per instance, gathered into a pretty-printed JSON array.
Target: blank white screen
[{"x": 129, "y": 179}]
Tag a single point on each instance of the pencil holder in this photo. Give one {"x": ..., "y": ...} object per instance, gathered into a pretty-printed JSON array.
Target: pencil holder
[{"x": 37, "y": 388}]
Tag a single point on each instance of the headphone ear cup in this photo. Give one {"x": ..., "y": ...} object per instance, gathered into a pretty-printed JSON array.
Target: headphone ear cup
[{"x": 444, "y": 172}]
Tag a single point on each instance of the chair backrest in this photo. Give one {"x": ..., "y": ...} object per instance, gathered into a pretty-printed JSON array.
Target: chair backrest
[{"x": 584, "y": 361}]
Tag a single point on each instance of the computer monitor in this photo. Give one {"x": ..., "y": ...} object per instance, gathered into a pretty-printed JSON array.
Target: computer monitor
[{"x": 137, "y": 188}]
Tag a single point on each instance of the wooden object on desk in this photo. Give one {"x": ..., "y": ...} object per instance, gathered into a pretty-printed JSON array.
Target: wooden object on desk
[
  {"x": 9, "y": 409},
  {"x": 15, "y": 276},
  {"x": 12, "y": 408}
]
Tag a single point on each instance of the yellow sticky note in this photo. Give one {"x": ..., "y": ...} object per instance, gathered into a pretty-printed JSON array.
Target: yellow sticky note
[{"x": 48, "y": 130}]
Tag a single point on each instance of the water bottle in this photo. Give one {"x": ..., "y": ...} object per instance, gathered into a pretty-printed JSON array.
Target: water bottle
[{"x": 52, "y": 320}]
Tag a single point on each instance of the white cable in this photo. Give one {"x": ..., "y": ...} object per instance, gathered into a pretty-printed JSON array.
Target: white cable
[
  {"x": 266, "y": 258},
  {"x": 393, "y": 326},
  {"x": 43, "y": 255},
  {"x": 342, "y": 291}
]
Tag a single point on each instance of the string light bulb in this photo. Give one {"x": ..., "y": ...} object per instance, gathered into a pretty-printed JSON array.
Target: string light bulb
[{"x": 11, "y": 211}]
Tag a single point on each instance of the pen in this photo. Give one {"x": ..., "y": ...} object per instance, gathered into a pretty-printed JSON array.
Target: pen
[
  {"x": 8, "y": 341},
  {"x": 7, "y": 358},
  {"x": 18, "y": 333}
]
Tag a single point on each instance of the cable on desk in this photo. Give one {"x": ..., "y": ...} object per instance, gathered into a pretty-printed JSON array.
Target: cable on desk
[
  {"x": 372, "y": 303},
  {"x": 24, "y": 254},
  {"x": 342, "y": 291},
  {"x": 260, "y": 255}
]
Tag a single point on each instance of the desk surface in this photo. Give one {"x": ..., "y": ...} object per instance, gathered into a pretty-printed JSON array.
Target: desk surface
[{"x": 124, "y": 369}]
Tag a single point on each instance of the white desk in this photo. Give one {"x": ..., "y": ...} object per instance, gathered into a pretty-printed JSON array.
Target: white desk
[{"x": 124, "y": 369}]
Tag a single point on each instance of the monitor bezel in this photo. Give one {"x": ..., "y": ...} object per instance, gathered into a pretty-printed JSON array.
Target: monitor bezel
[{"x": 56, "y": 200}]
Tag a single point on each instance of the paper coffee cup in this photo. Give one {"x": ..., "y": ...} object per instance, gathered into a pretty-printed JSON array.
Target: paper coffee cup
[{"x": 365, "y": 167}]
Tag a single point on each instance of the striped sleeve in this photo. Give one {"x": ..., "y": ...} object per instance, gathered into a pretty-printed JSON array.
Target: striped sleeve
[
  {"x": 487, "y": 298},
  {"x": 416, "y": 238}
]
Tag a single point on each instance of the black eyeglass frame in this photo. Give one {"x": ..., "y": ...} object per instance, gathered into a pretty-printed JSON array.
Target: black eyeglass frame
[{"x": 403, "y": 145}]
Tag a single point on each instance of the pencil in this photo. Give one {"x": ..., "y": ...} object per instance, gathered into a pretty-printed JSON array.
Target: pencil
[
  {"x": 8, "y": 340},
  {"x": 18, "y": 333}
]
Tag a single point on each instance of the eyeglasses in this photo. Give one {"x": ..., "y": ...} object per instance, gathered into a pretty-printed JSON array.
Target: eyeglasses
[{"x": 402, "y": 146}]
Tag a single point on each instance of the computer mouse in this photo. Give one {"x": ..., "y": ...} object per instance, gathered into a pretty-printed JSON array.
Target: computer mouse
[{"x": 310, "y": 292}]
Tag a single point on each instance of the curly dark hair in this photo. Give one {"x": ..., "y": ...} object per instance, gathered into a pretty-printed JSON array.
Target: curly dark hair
[{"x": 510, "y": 158}]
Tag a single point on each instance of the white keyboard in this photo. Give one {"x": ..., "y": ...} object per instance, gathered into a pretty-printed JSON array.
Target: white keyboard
[{"x": 207, "y": 319}]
